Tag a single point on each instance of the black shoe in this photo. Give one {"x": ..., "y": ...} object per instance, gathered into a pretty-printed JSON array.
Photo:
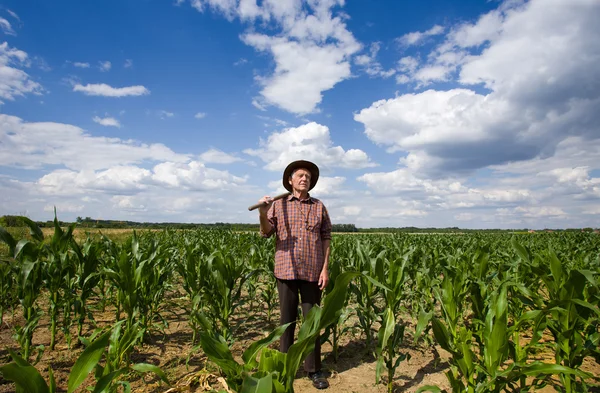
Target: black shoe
[{"x": 319, "y": 379}]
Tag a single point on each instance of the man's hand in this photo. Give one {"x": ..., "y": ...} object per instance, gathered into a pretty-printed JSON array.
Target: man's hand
[
  {"x": 263, "y": 209},
  {"x": 323, "y": 279}
]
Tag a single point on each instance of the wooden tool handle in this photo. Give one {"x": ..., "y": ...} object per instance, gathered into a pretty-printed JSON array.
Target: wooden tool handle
[{"x": 253, "y": 207}]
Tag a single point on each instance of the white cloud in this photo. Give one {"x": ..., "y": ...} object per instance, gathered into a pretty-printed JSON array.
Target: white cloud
[
  {"x": 107, "y": 121},
  {"x": 465, "y": 217},
  {"x": 104, "y": 66},
  {"x": 240, "y": 62},
  {"x": 33, "y": 145},
  {"x": 6, "y": 27},
  {"x": 132, "y": 179},
  {"x": 200, "y": 115},
  {"x": 546, "y": 98},
  {"x": 304, "y": 70},
  {"x": 418, "y": 37},
  {"x": 63, "y": 207},
  {"x": 311, "y": 52},
  {"x": 165, "y": 114},
  {"x": 214, "y": 156},
  {"x": 195, "y": 176},
  {"x": 259, "y": 104},
  {"x": 102, "y": 89},
  {"x": 330, "y": 187},
  {"x": 14, "y": 15},
  {"x": 352, "y": 210},
  {"x": 311, "y": 142},
  {"x": 128, "y": 63},
  {"x": 81, "y": 65},
  {"x": 15, "y": 82},
  {"x": 370, "y": 64},
  {"x": 541, "y": 211}
]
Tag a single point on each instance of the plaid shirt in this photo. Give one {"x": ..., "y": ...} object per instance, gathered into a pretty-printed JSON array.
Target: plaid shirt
[{"x": 299, "y": 251}]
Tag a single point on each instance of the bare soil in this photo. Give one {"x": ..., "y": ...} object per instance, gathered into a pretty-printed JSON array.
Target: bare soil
[{"x": 354, "y": 370}]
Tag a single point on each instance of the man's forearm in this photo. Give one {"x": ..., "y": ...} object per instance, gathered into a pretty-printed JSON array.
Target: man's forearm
[
  {"x": 265, "y": 224},
  {"x": 326, "y": 252}
]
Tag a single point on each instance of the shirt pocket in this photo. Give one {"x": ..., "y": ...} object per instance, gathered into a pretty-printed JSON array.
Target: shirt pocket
[{"x": 315, "y": 221}]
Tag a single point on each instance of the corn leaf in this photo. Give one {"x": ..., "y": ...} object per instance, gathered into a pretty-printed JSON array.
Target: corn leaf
[
  {"x": 257, "y": 385},
  {"x": 87, "y": 361},
  {"x": 27, "y": 378},
  {"x": 150, "y": 368}
]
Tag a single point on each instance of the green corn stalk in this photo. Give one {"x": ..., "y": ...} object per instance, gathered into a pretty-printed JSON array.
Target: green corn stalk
[
  {"x": 87, "y": 277},
  {"x": 7, "y": 283},
  {"x": 492, "y": 368},
  {"x": 573, "y": 314},
  {"x": 276, "y": 371},
  {"x": 364, "y": 290},
  {"x": 58, "y": 271},
  {"x": 27, "y": 271},
  {"x": 337, "y": 329},
  {"x": 140, "y": 273},
  {"x": 393, "y": 281},
  {"x": 224, "y": 277},
  {"x": 28, "y": 380},
  {"x": 189, "y": 266}
]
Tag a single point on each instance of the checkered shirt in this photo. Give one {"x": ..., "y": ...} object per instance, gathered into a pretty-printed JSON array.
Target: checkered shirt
[{"x": 299, "y": 251}]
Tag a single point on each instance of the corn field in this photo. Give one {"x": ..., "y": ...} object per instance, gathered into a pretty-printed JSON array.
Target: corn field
[{"x": 511, "y": 313}]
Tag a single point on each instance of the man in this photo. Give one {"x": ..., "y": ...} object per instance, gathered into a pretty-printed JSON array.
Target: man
[{"x": 303, "y": 230}]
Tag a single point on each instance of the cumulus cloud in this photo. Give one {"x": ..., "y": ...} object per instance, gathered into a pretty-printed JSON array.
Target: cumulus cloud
[
  {"x": 215, "y": 156},
  {"x": 312, "y": 50},
  {"x": 104, "y": 90},
  {"x": 128, "y": 179},
  {"x": 33, "y": 145},
  {"x": 14, "y": 82},
  {"x": 535, "y": 97},
  {"x": 200, "y": 115},
  {"x": 64, "y": 207},
  {"x": 81, "y": 65},
  {"x": 107, "y": 121},
  {"x": 311, "y": 142},
  {"x": 417, "y": 37}
]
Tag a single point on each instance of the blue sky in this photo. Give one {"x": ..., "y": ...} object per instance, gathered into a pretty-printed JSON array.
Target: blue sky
[{"x": 476, "y": 114}]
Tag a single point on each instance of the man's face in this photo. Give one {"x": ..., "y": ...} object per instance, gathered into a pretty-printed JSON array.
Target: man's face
[{"x": 300, "y": 180}]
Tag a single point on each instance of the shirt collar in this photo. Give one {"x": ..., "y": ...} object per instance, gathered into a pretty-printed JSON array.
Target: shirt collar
[{"x": 309, "y": 199}]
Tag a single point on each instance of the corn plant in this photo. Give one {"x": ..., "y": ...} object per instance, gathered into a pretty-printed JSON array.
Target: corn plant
[
  {"x": 224, "y": 277},
  {"x": 189, "y": 266},
  {"x": 7, "y": 283},
  {"x": 276, "y": 371},
  {"x": 573, "y": 315},
  {"x": 28, "y": 379},
  {"x": 391, "y": 333},
  {"x": 27, "y": 271},
  {"x": 140, "y": 274},
  {"x": 334, "y": 331},
  {"x": 364, "y": 290},
  {"x": 58, "y": 272},
  {"x": 261, "y": 259},
  {"x": 87, "y": 277}
]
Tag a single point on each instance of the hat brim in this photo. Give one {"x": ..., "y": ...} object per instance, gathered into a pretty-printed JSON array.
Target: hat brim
[{"x": 300, "y": 164}]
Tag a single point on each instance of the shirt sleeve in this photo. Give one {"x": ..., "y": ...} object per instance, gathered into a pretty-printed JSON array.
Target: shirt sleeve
[
  {"x": 272, "y": 217},
  {"x": 325, "y": 225}
]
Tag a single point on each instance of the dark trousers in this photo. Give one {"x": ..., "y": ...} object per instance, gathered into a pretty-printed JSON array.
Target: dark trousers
[{"x": 288, "y": 305}]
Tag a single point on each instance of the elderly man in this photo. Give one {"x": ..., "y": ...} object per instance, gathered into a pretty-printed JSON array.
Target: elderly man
[{"x": 303, "y": 230}]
